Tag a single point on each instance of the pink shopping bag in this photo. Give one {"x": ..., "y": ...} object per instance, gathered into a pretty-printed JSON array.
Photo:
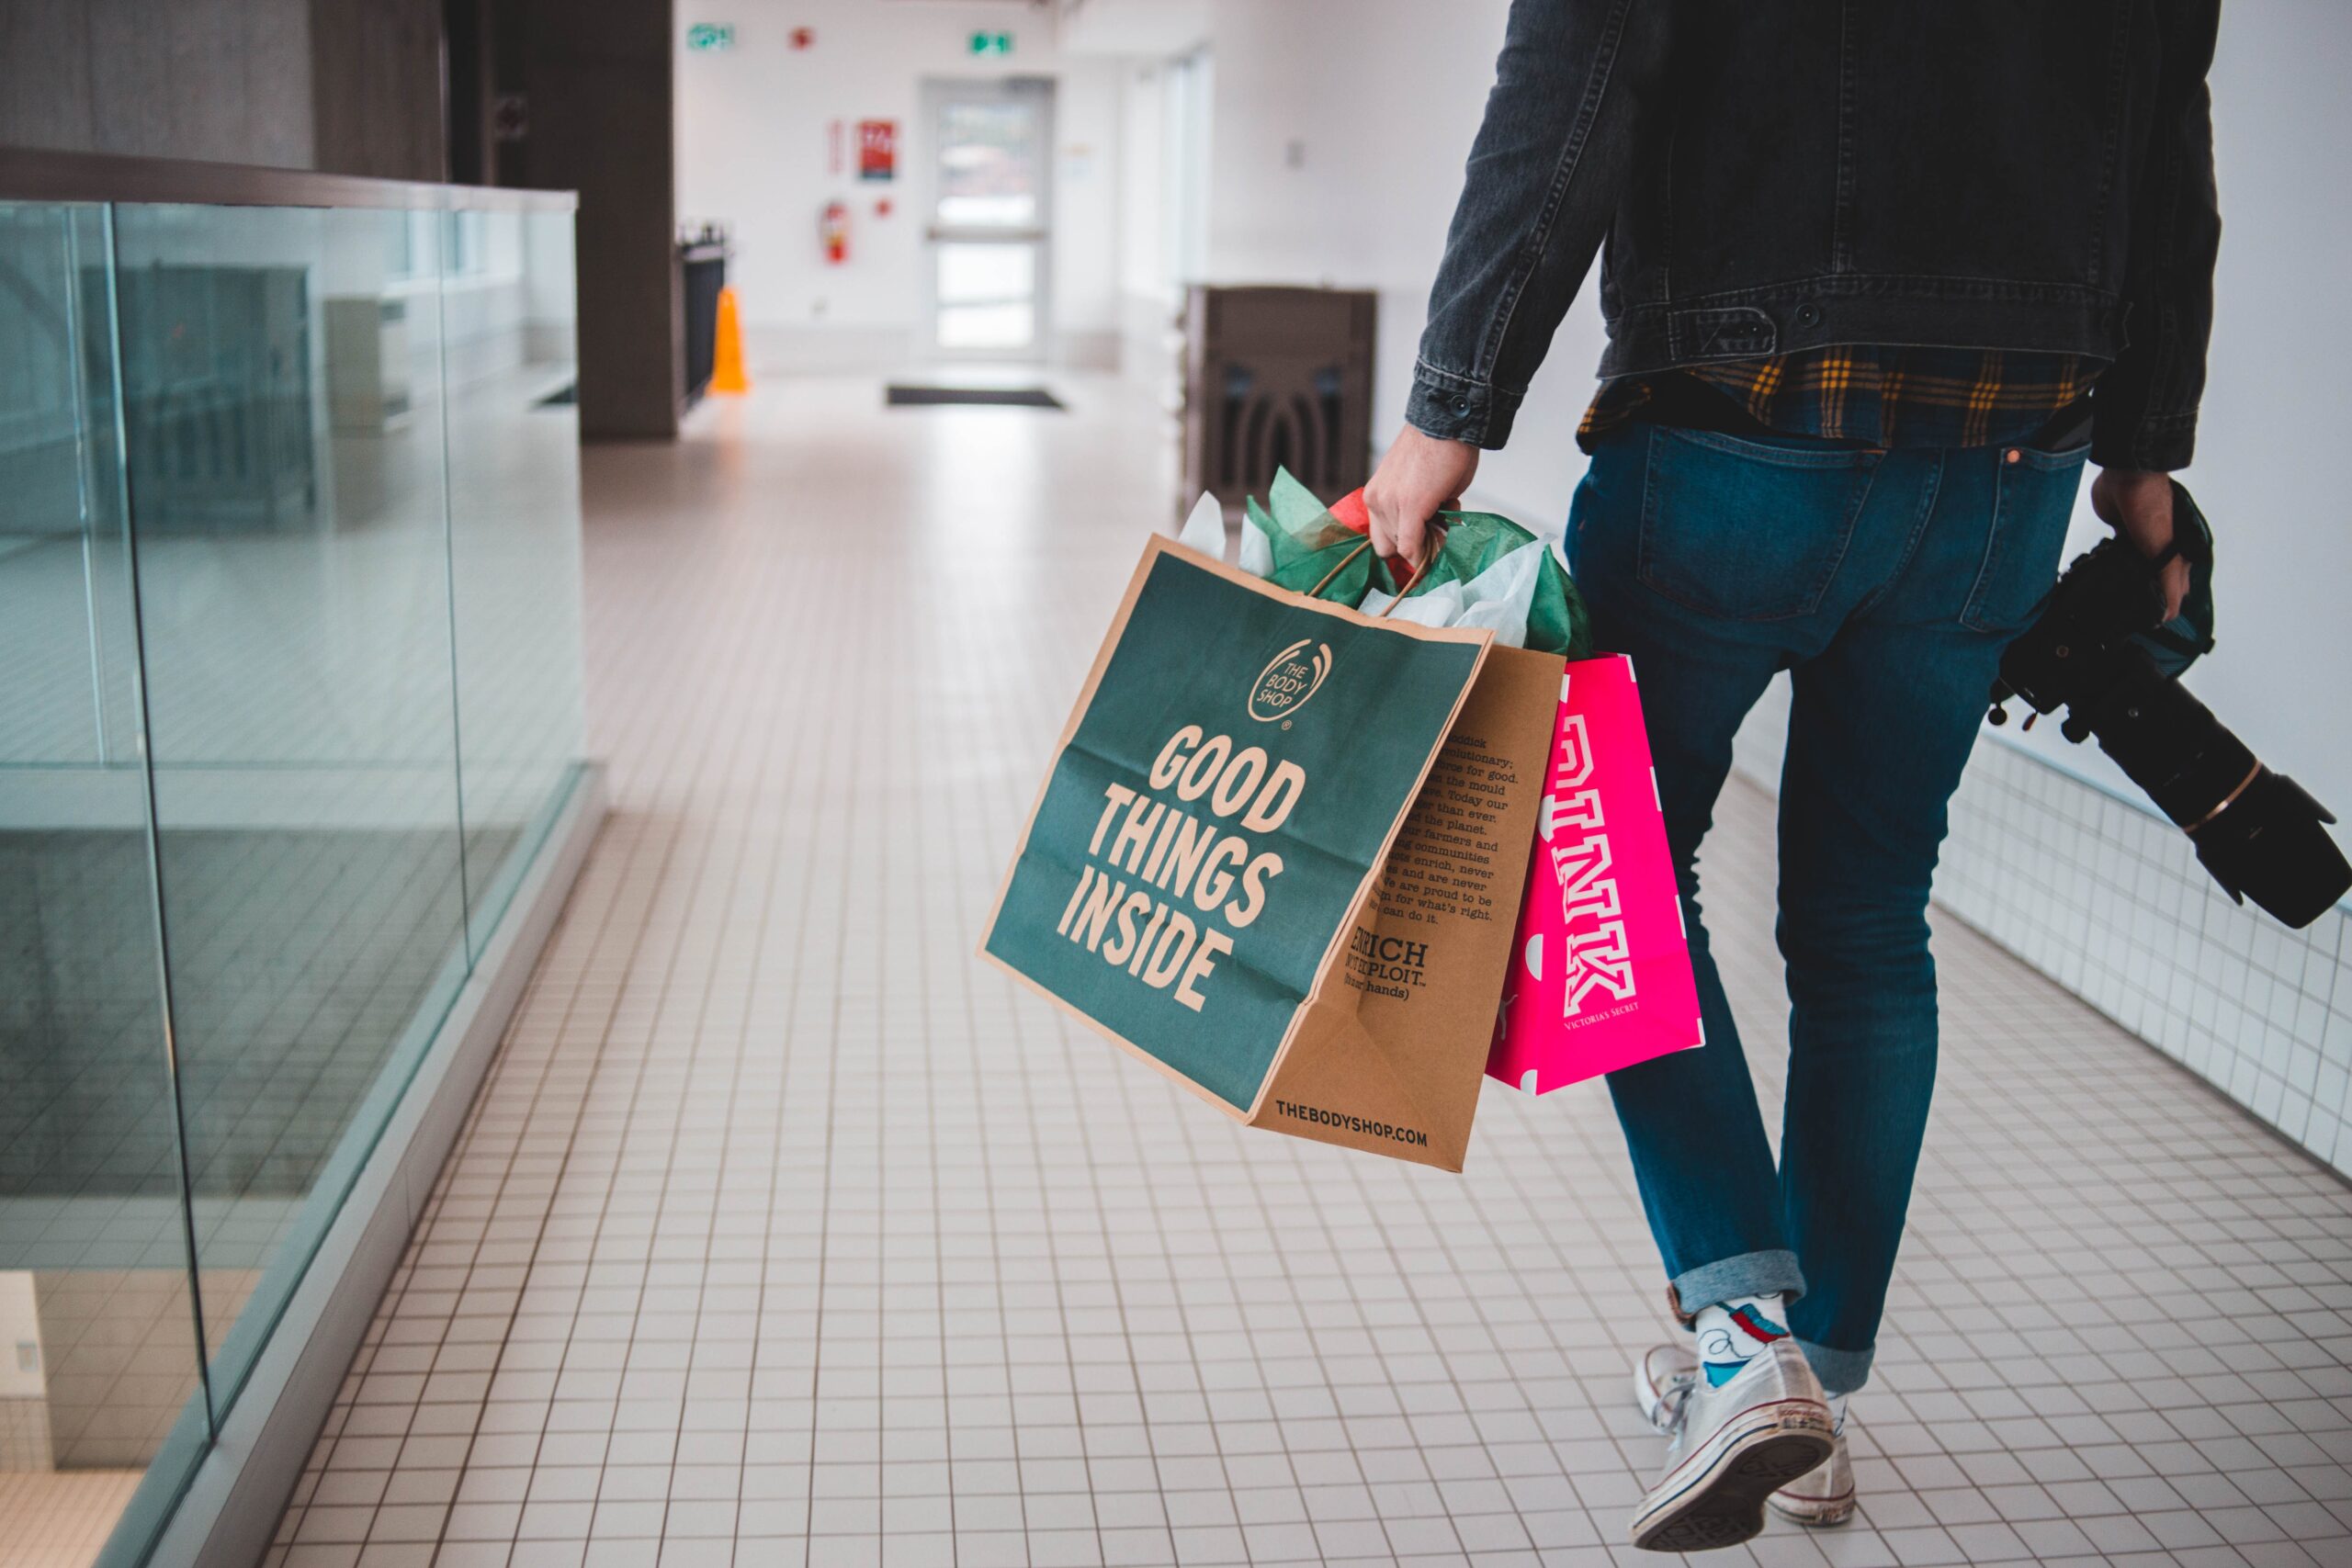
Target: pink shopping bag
[{"x": 1600, "y": 967}]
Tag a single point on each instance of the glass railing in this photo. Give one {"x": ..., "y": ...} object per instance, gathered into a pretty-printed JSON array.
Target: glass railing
[{"x": 290, "y": 693}]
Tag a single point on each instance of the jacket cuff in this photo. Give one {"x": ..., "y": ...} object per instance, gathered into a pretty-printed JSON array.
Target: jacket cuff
[
  {"x": 1454, "y": 408},
  {"x": 2160, "y": 444}
]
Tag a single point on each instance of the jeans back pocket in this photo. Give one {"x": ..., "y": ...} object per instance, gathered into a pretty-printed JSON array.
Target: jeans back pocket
[
  {"x": 2033, "y": 500},
  {"x": 1748, "y": 530}
]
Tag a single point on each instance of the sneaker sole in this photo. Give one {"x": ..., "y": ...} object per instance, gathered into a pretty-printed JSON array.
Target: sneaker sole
[{"x": 1720, "y": 1499}]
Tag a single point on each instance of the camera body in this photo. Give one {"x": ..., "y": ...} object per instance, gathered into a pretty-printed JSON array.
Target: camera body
[{"x": 2094, "y": 649}]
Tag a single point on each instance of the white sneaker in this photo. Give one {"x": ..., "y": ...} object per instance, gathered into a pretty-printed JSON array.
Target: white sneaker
[
  {"x": 1733, "y": 1446},
  {"x": 1822, "y": 1497}
]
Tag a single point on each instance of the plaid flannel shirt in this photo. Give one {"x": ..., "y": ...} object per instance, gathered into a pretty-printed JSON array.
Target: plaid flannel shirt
[{"x": 1883, "y": 397}]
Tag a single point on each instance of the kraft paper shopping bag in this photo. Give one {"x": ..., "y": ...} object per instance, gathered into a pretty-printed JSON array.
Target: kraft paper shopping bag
[{"x": 1210, "y": 875}]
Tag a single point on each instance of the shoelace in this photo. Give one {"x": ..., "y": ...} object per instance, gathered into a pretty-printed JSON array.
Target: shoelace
[{"x": 1675, "y": 1399}]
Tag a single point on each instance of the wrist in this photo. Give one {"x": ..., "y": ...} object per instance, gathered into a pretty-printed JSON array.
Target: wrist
[
  {"x": 2137, "y": 503},
  {"x": 1412, "y": 435}
]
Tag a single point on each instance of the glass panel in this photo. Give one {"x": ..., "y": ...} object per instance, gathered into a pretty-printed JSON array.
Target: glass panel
[
  {"x": 98, "y": 1348},
  {"x": 987, "y": 274},
  {"x": 284, "y": 429},
  {"x": 515, "y": 542},
  {"x": 988, "y": 163},
  {"x": 987, "y": 295},
  {"x": 464, "y": 251}
]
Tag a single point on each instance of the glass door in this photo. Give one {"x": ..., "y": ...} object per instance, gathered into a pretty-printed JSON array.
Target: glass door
[{"x": 989, "y": 275}]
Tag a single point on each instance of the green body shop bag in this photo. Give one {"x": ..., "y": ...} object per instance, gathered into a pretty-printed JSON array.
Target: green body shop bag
[{"x": 1280, "y": 850}]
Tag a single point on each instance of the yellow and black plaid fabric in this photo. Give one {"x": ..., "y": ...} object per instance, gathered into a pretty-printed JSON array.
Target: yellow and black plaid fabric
[{"x": 1878, "y": 396}]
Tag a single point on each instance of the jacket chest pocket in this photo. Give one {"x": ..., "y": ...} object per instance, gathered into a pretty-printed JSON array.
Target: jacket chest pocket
[{"x": 1748, "y": 530}]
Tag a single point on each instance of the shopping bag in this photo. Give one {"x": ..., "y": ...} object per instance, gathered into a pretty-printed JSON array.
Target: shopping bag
[
  {"x": 1601, "y": 972},
  {"x": 1299, "y": 540},
  {"x": 1279, "y": 851}
]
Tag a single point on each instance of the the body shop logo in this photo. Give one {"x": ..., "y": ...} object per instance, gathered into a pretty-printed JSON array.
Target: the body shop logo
[{"x": 1289, "y": 679}]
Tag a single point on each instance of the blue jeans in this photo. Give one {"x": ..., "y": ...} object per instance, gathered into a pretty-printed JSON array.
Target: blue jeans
[{"x": 1887, "y": 582}]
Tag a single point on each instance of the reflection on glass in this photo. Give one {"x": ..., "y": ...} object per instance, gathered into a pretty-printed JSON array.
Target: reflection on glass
[
  {"x": 97, "y": 1349},
  {"x": 987, "y": 295},
  {"x": 513, "y": 434},
  {"x": 288, "y": 509},
  {"x": 989, "y": 159},
  {"x": 986, "y": 275},
  {"x": 284, "y": 420}
]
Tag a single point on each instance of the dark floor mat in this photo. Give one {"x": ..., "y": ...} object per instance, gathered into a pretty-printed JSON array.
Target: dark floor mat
[{"x": 1003, "y": 397}]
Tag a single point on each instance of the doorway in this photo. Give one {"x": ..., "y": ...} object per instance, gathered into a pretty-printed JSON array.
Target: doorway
[{"x": 988, "y": 273}]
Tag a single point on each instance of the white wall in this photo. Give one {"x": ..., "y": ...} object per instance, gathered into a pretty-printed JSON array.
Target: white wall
[
  {"x": 1381, "y": 98},
  {"x": 1167, "y": 105},
  {"x": 2275, "y": 413},
  {"x": 1148, "y": 295},
  {"x": 1136, "y": 29},
  {"x": 1144, "y": 196},
  {"x": 752, "y": 149}
]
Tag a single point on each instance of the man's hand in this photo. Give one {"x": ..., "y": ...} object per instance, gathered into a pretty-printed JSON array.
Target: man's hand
[
  {"x": 1419, "y": 477},
  {"x": 2137, "y": 505}
]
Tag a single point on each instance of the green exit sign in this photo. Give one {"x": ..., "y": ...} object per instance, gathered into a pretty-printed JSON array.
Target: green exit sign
[
  {"x": 991, "y": 43},
  {"x": 711, "y": 37}
]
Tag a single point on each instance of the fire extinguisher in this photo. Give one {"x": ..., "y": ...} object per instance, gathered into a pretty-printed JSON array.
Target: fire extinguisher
[{"x": 833, "y": 229}]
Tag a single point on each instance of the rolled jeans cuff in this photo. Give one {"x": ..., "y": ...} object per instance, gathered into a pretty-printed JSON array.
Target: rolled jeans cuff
[
  {"x": 1841, "y": 1371},
  {"x": 1728, "y": 1279}
]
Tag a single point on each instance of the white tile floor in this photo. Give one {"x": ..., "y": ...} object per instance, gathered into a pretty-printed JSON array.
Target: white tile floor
[
  {"x": 60, "y": 1519},
  {"x": 786, "y": 1233}
]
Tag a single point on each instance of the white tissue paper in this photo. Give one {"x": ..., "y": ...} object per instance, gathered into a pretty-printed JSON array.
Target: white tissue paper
[
  {"x": 1499, "y": 597},
  {"x": 1204, "y": 528},
  {"x": 1441, "y": 606},
  {"x": 1257, "y": 551}
]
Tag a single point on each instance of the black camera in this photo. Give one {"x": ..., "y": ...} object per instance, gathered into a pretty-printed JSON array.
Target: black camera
[{"x": 2098, "y": 649}]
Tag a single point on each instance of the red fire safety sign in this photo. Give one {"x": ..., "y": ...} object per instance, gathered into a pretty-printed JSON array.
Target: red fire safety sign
[{"x": 878, "y": 149}]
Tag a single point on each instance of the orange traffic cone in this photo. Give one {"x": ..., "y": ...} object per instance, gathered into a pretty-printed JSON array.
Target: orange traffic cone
[{"x": 726, "y": 373}]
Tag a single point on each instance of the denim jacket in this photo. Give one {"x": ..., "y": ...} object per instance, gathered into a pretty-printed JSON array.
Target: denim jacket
[{"x": 1770, "y": 177}]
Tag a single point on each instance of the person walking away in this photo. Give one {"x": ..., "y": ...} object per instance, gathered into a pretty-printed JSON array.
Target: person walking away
[{"x": 1879, "y": 278}]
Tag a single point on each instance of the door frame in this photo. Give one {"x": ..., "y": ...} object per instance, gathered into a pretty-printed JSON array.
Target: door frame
[{"x": 937, "y": 93}]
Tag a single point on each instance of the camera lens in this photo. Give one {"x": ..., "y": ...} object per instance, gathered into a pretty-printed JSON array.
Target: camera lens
[
  {"x": 2269, "y": 844},
  {"x": 2260, "y": 834}
]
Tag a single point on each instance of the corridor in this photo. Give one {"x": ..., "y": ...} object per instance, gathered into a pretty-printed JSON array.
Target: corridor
[{"x": 784, "y": 1231}]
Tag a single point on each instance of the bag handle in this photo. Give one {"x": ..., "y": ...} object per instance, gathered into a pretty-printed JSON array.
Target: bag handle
[{"x": 1421, "y": 566}]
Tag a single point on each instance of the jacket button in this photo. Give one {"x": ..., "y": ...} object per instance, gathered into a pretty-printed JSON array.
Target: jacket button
[
  {"x": 1808, "y": 315},
  {"x": 1461, "y": 405}
]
